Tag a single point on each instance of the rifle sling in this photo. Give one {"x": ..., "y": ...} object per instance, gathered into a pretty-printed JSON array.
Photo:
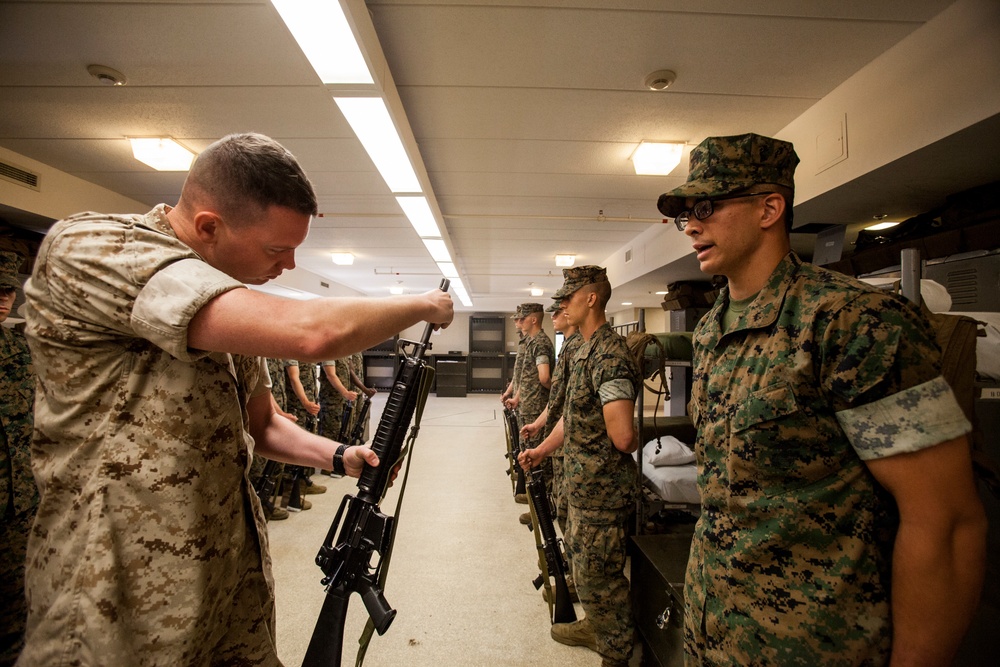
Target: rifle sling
[{"x": 426, "y": 381}]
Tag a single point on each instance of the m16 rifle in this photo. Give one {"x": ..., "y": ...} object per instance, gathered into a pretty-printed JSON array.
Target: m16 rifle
[
  {"x": 357, "y": 435},
  {"x": 265, "y": 486},
  {"x": 551, "y": 560},
  {"x": 513, "y": 469},
  {"x": 345, "y": 556}
]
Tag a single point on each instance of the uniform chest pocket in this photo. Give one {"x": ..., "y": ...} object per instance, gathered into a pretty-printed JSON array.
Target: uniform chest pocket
[{"x": 764, "y": 405}]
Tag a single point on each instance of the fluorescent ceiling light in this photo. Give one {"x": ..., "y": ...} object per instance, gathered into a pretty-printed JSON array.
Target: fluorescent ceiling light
[
  {"x": 662, "y": 293},
  {"x": 565, "y": 260},
  {"x": 326, "y": 39},
  {"x": 370, "y": 120},
  {"x": 418, "y": 212},
  {"x": 459, "y": 289},
  {"x": 881, "y": 225},
  {"x": 343, "y": 258},
  {"x": 651, "y": 159},
  {"x": 537, "y": 291},
  {"x": 448, "y": 269},
  {"x": 626, "y": 303},
  {"x": 396, "y": 290},
  {"x": 437, "y": 249},
  {"x": 161, "y": 153}
]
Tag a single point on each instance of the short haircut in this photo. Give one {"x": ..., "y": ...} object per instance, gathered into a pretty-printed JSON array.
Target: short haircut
[
  {"x": 245, "y": 174},
  {"x": 603, "y": 291}
]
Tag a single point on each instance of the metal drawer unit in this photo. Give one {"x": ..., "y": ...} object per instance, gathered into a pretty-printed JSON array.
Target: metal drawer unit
[{"x": 657, "y": 582}]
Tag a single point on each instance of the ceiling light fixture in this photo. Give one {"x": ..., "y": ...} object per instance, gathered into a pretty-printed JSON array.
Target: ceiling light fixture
[
  {"x": 326, "y": 39},
  {"x": 565, "y": 260},
  {"x": 656, "y": 159},
  {"x": 437, "y": 249},
  {"x": 419, "y": 213},
  {"x": 626, "y": 303},
  {"x": 161, "y": 153},
  {"x": 661, "y": 79},
  {"x": 537, "y": 291},
  {"x": 370, "y": 120},
  {"x": 343, "y": 258},
  {"x": 459, "y": 289},
  {"x": 448, "y": 270},
  {"x": 881, "y": 225},
  {"x": 396, "y": 289}
]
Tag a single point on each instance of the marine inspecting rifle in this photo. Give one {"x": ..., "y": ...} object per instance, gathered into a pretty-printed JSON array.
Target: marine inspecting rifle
[{"x": 365, "y": 529}]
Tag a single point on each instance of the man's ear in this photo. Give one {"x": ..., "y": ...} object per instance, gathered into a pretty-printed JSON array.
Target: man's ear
[
  {"x": 206, "y": 226},
  {"x": 773, "y": 211}
]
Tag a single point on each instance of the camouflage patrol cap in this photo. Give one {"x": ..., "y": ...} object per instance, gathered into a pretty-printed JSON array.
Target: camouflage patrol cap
[
  {"x": 517, "y": 314},
  {"x": 724, "y": 165},
  {"x": 555, "y": 307},
  {"x": 529, "y": 308},
  {"x": 10, "y": 263},
  {"x": 578, "y": 276}
]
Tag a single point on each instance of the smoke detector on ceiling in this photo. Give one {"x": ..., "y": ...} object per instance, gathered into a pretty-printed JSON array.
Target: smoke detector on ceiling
[
  {"x": 661, "y": 79},
  {"x": 106, "y": 75}
]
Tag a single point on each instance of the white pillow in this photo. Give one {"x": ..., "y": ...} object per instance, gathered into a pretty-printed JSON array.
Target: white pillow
[{"x": 667, "y": 451}]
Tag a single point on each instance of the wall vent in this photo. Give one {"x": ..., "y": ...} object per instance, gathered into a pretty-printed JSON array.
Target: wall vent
[
  {"x": 19, "y": 176},
  {"x": 323, "y": 284},
  {"x": 963, "y": 286},
  {"x": 628, "y": 255}
]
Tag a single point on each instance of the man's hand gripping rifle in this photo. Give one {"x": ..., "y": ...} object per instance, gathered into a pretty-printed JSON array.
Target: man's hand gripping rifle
[{"x": 346, "y": 562}]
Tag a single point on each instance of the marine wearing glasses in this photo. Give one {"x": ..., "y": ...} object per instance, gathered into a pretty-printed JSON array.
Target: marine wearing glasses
[{"x": 703, "y": 208}]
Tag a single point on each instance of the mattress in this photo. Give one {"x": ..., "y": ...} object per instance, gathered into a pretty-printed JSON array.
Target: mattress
[{"x": 673, "y": 484}]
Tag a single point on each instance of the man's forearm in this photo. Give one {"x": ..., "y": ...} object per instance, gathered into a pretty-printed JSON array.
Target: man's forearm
[{"x": 937, "y": 577}]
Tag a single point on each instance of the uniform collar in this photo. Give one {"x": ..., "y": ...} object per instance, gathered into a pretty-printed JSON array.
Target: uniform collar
[{"x": 764, "y": 309}]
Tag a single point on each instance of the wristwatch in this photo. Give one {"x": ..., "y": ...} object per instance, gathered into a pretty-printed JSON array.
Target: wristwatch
[{"x": 338, "y": 461}]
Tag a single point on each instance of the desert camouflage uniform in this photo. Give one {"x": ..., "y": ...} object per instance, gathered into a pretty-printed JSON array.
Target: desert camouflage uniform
[
  {"x": 307, "y": 376},
  {"x": 17, "y": 486},
  {"x": 601, "y": 485},
  {"x": 149, "y": 547},
  {"x": 557, "y": 399},
  {"x": 791, "y": 558},
  {"x": 331, "y": 414}
]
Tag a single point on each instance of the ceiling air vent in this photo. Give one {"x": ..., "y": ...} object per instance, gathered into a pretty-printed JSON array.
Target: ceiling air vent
[
  {"x": 23, "y": 177},
  {"x": 628, "y": 255}
]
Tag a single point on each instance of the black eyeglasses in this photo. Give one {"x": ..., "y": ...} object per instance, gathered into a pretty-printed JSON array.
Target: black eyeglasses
[{"x": 703, "y": 208}]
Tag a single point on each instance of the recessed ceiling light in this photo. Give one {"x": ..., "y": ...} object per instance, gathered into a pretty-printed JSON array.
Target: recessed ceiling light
[
  {"x": 161, "y": 153},
  {"x": 626, "y": 303},
  {"x": 565, "y": 260},
  {"x": 343, "y": 258},
  {"x": 656, "y": 159},
  {"x": 537, "y": 291},
  {"x": 397, "y": 289}
]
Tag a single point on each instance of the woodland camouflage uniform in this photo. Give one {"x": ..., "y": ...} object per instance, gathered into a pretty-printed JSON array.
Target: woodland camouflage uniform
[
  {"x": 600, "y": 480},
  {"x": 791, "y": 558},
  {"x": 18, "y": 494}
]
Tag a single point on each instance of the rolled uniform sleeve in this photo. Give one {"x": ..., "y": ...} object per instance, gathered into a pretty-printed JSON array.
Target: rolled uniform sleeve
[{"x": 165, "y": 305}]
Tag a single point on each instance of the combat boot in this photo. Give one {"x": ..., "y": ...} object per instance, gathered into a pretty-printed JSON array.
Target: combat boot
[
  {"x": 305, "y": 505},
  {"x": 578, "y": 633},
  {"x": 310, "y": 488},
  {"x": 278, "y": 513},
  {"x": 525, "y": 518},
  {"x": 521, "y": 499}
]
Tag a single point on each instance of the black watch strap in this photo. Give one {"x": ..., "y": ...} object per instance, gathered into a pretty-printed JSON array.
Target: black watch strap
[{"x": 338, "y": 460}]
